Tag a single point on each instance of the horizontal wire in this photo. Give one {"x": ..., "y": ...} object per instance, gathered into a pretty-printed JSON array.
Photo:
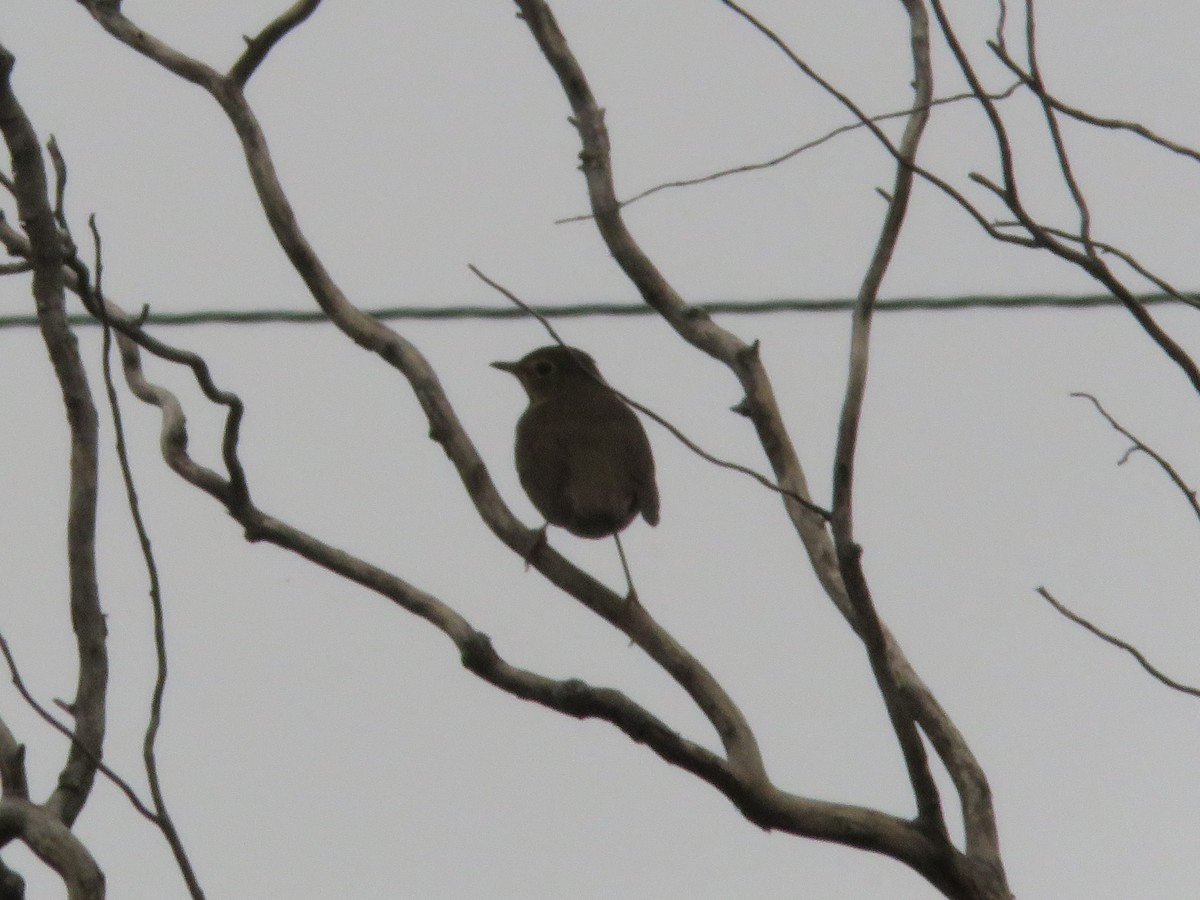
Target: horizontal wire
[{"x": 578, "y": 310}]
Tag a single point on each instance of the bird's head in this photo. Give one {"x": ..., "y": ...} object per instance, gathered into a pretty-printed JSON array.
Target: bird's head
[{"x": 548, "y": 371}]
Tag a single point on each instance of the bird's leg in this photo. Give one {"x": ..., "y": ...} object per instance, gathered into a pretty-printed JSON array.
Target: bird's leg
[
  {"x": 538, "y": 543},
  {"x": 632, "y": 596}
]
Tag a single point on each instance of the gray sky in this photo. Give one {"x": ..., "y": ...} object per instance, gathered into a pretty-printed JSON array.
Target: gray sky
[{"x": 319, "y": 742}]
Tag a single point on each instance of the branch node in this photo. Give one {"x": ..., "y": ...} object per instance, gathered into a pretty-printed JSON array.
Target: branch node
[
  {"x": 478, "y": 654},
  {"x": 749, "y": 354},
  {"x": 68, "y": 708}
]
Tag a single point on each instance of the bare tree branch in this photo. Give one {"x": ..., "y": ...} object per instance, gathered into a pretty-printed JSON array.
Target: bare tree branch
[
  {"x": 985, "y": 871},
  {"x": 1040, "y": 235},
  {"x": 54, "y": 844},
  {"x": 46, "y": 254},
  {"x": 12, "y": 885},
  {"x": 1074, "y": 112},
  {"x": 261, "y": 44},
  {"x": 1138, "y": 444},
  {"x": 1168, "y": 289},
  {"x": 13, "y": 777},
  {"x": 1117, "y": 642},
  {"x": 849, "y": 552}
]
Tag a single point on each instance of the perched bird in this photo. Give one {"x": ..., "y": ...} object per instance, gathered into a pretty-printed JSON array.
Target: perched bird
[{"x": 582, "y": 455}]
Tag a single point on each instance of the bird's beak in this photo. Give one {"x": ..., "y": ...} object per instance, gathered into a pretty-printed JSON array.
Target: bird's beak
[{"x": 510, "y": 368}]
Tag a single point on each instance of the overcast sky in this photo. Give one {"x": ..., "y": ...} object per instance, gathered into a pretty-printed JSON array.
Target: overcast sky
[{"x": 320, "y": 742}]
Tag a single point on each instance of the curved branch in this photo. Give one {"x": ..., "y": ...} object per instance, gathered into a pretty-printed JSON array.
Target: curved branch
[
  {"x": 54, "y": 844},
  {"x": 849, "y": 552},
  {"x": 1117, "y": 642},
  {"x": 46, "y": 254}
]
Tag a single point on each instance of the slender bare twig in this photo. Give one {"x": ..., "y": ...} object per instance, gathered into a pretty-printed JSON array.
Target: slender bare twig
[
  {"x": 1118, "y": 642},
  {"x": 1139, "y": 445},
  {"x": 1074, "y": 112},
  {"x": 54, "y": 844},
  {"x": 78, "y": 280},
  {"x": 1056, "y": 137},
  {"x": 14, "y": 778},
  {"x": 518, "y": 302},
  {"x": 120, "y": 783},
  {"x": 162, "y": 818},
  {"x": 651, "y": 414},
  {"x": 790, "y": 154}
]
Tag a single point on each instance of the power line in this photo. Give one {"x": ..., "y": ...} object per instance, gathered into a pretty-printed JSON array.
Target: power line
[{"x": 578, "y": 310}]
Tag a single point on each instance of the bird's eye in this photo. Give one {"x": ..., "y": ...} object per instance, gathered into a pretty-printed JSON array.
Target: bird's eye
[{"x": 543, "y": 367}]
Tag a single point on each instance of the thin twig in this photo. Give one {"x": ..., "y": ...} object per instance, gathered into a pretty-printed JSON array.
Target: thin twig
[
  {"x": 1117, "y": 642},
  {"x": 1105, "y": 122},
  {"x": 517, "y": 301},
  {"x": 162, "y": 817},
  {"x": 1139, "y": 445},
  {"x": 45, "y": 714},
  {"x": 1043, "y": 237},
  {"x": 1168, "y": 290},
  {"x": 790, "y": 154},
  {"x": 1056, "y": 136}
]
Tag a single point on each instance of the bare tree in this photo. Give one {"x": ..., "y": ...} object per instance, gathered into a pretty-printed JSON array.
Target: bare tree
[{"x": 920, "y": 724}]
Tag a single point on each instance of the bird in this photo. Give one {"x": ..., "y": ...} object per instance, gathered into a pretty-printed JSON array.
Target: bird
[{"x": 582, "y": 455}]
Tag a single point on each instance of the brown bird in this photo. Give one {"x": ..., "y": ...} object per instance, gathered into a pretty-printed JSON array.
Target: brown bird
[{"x": 582, "y": 455}]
